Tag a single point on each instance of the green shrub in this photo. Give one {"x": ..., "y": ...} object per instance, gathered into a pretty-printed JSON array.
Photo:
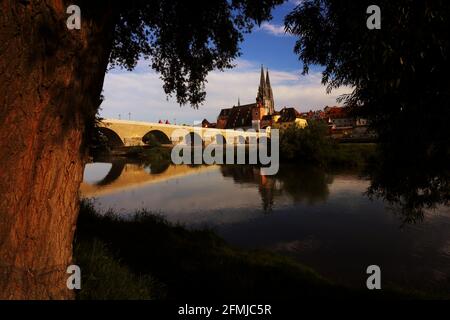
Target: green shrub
[
  {"x": 310, "y": 144},
  {"x": 192, "y": 264},
  {"x": 103, "y": 277},
  {"x": 352, "y": 155},
  {"x": 314, "y": 146}
]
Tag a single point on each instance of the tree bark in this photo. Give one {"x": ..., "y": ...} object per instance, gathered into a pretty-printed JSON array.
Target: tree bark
[{"x": 50, "y": 84}]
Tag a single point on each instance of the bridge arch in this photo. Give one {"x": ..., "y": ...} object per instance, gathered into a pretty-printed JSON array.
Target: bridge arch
[
  {"x": 155, "y": 136},
  {"x": 113, "y": 139},
  {"x": 113, "y": 173}
]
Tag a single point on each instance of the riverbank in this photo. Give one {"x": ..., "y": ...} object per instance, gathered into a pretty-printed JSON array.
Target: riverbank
[
  {"x": 354, "y": 156},
  {"x": 146, "y": 257},
  {"x": 312, "y": 145}
]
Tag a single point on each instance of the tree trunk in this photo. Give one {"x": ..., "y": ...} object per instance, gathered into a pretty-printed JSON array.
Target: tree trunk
[{"x": 50, "y": 84}]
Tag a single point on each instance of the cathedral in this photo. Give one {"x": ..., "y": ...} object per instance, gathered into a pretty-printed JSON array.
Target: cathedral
[{"x": 253, "y": 115}]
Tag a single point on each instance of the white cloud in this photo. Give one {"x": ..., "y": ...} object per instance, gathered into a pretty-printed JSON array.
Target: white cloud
[
  {"x": 141, "y": 94},
  {"x": 296, "y": 2},
  {"x": 273, "y": 29}
]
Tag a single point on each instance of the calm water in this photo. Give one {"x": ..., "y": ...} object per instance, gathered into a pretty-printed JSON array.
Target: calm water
[{"x": 324, "y": 220}]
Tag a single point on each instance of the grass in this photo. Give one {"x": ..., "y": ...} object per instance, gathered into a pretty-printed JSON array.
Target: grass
[
  {"x": 352, "y": 155},
  {"x": 313, "y": 145},
  {"x": 148, "y": 258},
  {"x": 104, "y": 277}
]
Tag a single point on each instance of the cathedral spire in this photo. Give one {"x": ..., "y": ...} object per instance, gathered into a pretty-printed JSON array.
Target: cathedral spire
[
  {"x": 262, "y": 86},
  {"x": 265, "y": 95},
  {"x": 262, "y": 81},
  {"x": 268, "y": 86}
]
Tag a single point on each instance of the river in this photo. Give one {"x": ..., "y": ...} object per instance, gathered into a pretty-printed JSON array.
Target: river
[{"x": 324, "y": 220}]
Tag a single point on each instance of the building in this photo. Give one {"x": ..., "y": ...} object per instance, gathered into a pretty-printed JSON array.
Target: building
[
  {"x": 249, "y": 116},
  {"x": 207, "y": 124},
  {"x": 288, "y": 117},
  {"x": 341, "y": 122},
  {"x": 261, "y": 114}
]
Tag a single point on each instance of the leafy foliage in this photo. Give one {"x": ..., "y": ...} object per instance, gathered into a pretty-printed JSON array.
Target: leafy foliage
[
  {"x": 313, "y": 145},
  {"x": 399, "y": 73},
  {"x": 158, "y": 259},
  {"x": 184, "y": 39},
  {"x": 310, "y": 144},
  {"x": 103, "y": 276},
  {"x": 401, "y": 84}
]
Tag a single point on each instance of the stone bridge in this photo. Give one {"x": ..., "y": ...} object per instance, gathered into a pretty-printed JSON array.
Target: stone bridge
[{"x": 134, "y": 133}]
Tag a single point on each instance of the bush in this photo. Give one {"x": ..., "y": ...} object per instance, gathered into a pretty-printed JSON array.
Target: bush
[
  {"x": 310, "y": 144},
  {"x": 314, "y": 146},
  {"x": 103, "y": 277},
  {"x": 353, "y": 155},
  {"x": 194, "y": 264},
  {"x": 191, "y": 263}
]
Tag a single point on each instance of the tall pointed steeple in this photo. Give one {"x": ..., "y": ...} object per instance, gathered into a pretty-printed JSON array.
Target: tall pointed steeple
[
  {"x": 268, "y": 86},
  {"x": 262, "y": 81},
  {"x": 265, "y": 95},
  {"x": 262, "y": 87},
  {"x": 239, "y": 101}
]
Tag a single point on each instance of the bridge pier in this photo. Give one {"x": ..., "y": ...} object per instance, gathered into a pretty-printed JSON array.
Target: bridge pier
[{"x": 131, "y": 133}]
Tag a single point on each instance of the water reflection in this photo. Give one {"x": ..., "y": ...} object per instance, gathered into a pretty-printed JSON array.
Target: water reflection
[
  {"x": 412, "y": 175},
  {"x": 309, "y": 185},
  {"x": 323, "y": 219}
]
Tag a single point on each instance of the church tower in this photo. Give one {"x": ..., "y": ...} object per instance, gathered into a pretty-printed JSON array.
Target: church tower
[
  {"x": 264, "y": 97},
  {"x": 270, "y": 105}
]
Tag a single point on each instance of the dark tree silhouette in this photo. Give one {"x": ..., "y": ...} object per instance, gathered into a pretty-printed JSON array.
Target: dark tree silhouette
[
  {"x": 50, "y": 83},
  {"x": 400, "y": 76}
]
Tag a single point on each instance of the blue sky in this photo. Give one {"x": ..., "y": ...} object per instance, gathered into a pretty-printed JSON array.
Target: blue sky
[
  {"x": 138, "y": 95},
  {"x": 272, "y": 48}
]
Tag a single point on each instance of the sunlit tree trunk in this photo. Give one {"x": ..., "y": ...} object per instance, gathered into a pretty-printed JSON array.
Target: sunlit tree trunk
[{"x": 50, "y": 84}]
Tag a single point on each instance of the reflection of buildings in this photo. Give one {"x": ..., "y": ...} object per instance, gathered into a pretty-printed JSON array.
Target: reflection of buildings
[
  {"x": 267, "y": 186},
  {"x": 267, "y": 190},
  {"x": 309, "y": 185},
  {"x": 258, "y": 115}
]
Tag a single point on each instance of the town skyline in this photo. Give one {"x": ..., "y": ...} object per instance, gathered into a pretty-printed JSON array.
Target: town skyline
[{"x": 140, "y": 92}]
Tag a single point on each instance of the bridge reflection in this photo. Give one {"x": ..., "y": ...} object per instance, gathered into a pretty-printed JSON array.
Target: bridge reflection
[
  {"x": 124, "y": 176},
  {"x": 301, "y": 186}
]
